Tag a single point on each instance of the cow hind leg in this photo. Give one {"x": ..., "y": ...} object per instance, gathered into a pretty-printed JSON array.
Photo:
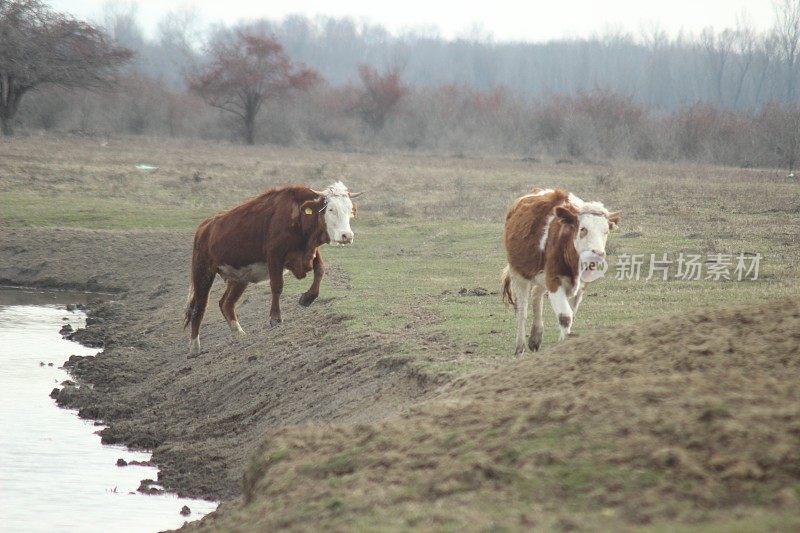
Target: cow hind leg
[
  {"x": 521, "y": 291},
  {"x": 227, "y": 304},
  {"x": 537, "y": 329},
  {"x": 201, "y": 286},
  {"x": 276, "y": 286}
]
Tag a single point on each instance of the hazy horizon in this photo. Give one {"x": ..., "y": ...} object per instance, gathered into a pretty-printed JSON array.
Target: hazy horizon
[{"x": 500, "y": 21}]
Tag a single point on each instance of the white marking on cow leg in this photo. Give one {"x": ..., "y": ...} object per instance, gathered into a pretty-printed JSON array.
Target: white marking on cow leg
[
  {"x": 194, "y": 346},
  {"x": 563, "y": 311},
  {"x": 537, "y": 329},
  {"x": 521, "y": 291},
  {"x": 236, "y": 329}
]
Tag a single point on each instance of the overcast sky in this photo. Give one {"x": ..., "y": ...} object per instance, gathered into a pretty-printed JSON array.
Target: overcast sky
[{"x": 531, "y": 20}]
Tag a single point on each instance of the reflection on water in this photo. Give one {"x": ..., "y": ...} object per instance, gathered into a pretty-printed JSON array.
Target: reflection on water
[{"x": 54, "y": 473}]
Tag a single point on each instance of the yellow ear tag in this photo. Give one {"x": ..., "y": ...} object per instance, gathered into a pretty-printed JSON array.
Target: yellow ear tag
[{"x": 308, "y": 211}]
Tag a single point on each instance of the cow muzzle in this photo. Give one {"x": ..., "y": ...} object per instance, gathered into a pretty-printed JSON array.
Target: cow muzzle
[{"x": 345, "y": 238}]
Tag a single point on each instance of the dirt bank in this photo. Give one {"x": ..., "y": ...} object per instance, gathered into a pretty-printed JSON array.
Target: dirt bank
[
  {"x": 689, "y": 419},
  {"x": 202, "y": 417}
]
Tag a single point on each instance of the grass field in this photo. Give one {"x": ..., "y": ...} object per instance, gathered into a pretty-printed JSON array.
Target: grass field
[
  {"x": 428, "y": 227},
  {"x": 424, "y": 274}
]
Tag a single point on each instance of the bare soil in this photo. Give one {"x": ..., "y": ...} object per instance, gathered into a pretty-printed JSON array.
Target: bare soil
[{"x": 202, "y": 417}]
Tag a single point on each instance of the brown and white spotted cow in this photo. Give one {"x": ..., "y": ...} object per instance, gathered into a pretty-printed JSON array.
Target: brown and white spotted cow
[
  {"x": 545, "y": 234},
  {"x": 279, "y": 230}
]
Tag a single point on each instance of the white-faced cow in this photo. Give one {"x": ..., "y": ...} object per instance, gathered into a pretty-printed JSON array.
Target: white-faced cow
[
  {"x": 279, "y": 230},
  {"x": 545, "y": 234}
]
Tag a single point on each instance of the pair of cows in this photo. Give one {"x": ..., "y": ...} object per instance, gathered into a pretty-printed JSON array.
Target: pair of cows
[{"x": 547, "y": 233}]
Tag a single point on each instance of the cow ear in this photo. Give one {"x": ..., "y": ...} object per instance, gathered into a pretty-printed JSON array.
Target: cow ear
[
  {"x": 311, "y": 207},
  {"x": 568, "y": 216},
  {"x": 310, "y": 215},
  {"x": 614, "y": 219}
]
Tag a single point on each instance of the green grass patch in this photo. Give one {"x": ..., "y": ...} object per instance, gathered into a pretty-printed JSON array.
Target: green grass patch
[
  {"x": 408, "y": 276},
  {"x": 33, "y": 210}
]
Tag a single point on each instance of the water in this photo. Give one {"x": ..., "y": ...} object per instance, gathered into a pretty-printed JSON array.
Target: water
[{"x": 54, "y": 473}]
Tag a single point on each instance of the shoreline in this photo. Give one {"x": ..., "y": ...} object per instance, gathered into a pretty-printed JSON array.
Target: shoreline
[{"x": 201, "y": 417}]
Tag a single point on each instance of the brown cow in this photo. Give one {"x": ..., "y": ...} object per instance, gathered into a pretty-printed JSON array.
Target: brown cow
[
  {"x": 281, "y": 229},
  {"x": 546, "y": 233}
]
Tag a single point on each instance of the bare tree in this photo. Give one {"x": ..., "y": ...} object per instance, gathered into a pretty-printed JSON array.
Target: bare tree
[
  {"x": 39, "y": 46},
  {"x": 381, "y": 94},
  {"x": 176, "y": 48},
  {"x": 787, "y": 36},
  {"x": 179, "y": 30},
  {"x": 120, "y": 20},
  {"x": 745, "y": 45},
  {"x": 244, "y": 70},
  {"x": 717, "y": 50}
]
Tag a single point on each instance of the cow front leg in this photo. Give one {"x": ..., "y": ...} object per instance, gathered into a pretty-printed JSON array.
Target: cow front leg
[
  {"x": 563, "y": 310},
  {"x": 311, "y": 294},
  {"x": 537, "y": 329},
  {"x": 576, "y": 300},
  {"x": 276, "y": 285}
]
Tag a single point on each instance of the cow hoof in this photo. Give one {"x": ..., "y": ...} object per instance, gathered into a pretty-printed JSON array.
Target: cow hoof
[
  {"x": 535, "y": 341},
  {"x": 307, "y": 299},
  {"x": 274, "y": 322},
  {"x": 236, "y": 329},
  {"x": 519, "y": 352},
  {"x": 194, "y": 347}
]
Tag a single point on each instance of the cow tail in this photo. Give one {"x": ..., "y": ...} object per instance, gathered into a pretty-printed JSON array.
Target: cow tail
[
  {"x": 191, "y": 300},
  {"x": 505, "y": 279},
  {"x": 190, "y": 305}
]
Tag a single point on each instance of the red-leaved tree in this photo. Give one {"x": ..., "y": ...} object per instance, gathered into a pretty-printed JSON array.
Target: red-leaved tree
[
  {"x": 39, "y": 46},
  {"x": 246, "y": 69},
  {"x": 380, "y": 96}
]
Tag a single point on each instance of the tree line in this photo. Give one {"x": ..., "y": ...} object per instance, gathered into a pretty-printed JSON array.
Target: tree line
[
  {"x": 725, "y": 96},
  {"x": 738, "y": 68}
]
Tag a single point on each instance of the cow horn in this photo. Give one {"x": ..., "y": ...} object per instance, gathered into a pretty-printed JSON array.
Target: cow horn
[
  {"x": 318, "y": 193},
  {"x": 356, "y": 194}
]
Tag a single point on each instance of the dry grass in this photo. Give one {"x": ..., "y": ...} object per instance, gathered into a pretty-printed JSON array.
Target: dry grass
[{"x": 645, "y": 427}]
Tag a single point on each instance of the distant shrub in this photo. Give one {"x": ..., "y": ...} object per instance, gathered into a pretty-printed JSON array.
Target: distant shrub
[{"x": 449, "y": 119}]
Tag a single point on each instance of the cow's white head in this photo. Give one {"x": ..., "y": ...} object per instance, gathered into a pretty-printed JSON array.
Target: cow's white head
[
  {"x": 339, "y": 209},
  {"x": 591, "y": 222}
]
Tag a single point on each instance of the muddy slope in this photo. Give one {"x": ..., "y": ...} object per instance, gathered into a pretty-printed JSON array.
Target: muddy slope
[
  {"x": 694, "y": 418},
  {"x": 202, "y": 417}
]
